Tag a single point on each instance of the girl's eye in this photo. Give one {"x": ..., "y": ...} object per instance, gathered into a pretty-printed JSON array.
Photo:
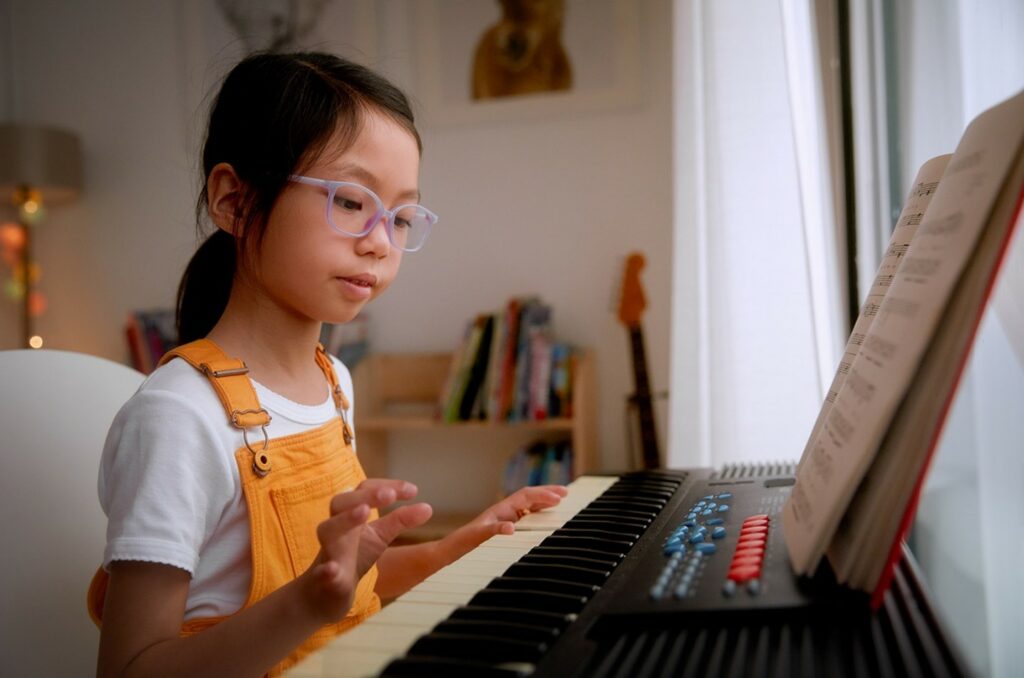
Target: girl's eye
[
  {"x": 348, "y": 203},
  {"x": 402, "y": 223}
]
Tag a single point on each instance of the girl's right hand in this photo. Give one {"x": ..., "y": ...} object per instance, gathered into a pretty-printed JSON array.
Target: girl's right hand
[{"x": 344, "y": 557}]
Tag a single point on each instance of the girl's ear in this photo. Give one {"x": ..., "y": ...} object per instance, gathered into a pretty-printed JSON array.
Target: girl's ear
[{"x": 223, "y": 197}]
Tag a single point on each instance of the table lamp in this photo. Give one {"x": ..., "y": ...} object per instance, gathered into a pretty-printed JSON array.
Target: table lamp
[{"x": 38, "y": 165}]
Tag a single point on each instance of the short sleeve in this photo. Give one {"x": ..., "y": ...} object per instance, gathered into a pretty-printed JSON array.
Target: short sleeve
[{"x": 165, "y": 480}]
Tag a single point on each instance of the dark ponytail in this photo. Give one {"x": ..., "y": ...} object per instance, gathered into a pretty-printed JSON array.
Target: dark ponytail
[
  {"x": 205, "y": 286},
  {"x": 274, "y": 115}
]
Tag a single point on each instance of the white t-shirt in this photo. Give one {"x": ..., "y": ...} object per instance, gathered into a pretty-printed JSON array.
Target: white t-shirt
[{"x": 170, "y": 487}]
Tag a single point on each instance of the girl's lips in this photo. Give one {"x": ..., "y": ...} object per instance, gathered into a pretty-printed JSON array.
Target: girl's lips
[{"x": 358, "y": 287}]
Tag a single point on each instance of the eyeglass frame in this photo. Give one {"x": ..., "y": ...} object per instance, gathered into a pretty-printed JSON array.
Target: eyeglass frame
[{"x": 389, "y": 225}]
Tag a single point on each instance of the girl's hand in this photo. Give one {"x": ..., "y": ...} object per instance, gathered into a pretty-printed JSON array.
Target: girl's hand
[
  {"x": 501, "y": 518},
  {"x": 349, "y": 547}
]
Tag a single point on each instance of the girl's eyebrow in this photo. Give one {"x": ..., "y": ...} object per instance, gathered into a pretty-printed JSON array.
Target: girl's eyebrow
[{"x": 370, "y": 179}]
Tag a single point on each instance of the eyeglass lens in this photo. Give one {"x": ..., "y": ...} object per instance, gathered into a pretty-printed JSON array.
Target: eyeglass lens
[{"x": 355, "y": 211}]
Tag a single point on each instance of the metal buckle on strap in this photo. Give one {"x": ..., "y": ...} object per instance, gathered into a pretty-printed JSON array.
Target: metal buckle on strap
[
  {"x": 260, "y": 458},
  {"x": 234, "y": 371}
]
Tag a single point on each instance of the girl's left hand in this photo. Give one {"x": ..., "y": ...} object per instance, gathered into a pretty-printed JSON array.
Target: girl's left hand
[{"x": 501, "y": 518}]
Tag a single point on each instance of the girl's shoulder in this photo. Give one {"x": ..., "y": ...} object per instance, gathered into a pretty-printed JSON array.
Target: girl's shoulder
[{"x": 178, "y": 391}]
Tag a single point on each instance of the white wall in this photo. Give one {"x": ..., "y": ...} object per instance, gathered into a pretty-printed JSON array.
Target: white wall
[{"x": 549, "y": 206}]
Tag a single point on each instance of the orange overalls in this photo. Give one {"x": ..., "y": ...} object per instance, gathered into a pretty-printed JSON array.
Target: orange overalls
[{"x": 287, "y": 483}]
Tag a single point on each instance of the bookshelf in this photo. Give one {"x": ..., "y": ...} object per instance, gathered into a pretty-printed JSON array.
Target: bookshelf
[{"x": 398, "y": 392}]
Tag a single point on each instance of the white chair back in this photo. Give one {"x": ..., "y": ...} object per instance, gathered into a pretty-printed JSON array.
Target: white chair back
[{"x": 55, "y": 409}]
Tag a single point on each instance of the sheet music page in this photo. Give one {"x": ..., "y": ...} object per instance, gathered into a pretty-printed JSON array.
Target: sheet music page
[
  {"x": 904, "y": 324},
  {"x": 924, "y": 186}
]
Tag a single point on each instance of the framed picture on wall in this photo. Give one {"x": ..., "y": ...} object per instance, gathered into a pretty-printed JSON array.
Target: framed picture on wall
[{"x": 480, "y": 60}]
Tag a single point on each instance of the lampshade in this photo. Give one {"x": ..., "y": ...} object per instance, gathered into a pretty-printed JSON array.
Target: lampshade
[{"x": 46, "y": 159}]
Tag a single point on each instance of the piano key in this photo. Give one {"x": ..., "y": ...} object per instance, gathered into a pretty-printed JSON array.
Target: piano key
[
  {"x": 570, "y": 551},
  {"x": 591, "y": 562},
  {"x": 561, "y": 572},
  {"x": 592, "y": 544},
  {"x": 480, "y": 648},
  {"x": 454, "y": 668},
  {"x": 533, "y": 600},
  {"x": 499, "y": 629},
  {"x": 540, "y": 618},
  {"x": 544, "y": 584}
]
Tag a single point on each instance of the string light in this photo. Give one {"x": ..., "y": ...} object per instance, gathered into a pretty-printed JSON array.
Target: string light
[{"x": 35, "y": 341}]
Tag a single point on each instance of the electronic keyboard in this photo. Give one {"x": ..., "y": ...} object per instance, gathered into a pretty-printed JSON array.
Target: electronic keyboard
[{"x": 653, "y": 573}]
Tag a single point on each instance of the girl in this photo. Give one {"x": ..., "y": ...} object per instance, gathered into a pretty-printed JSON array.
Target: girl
[{"x": 242, "y": 531}]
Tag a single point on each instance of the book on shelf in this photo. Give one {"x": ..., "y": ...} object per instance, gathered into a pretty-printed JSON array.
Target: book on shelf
[
  {"x": 150, "y": 334},
  {"x": 507, "y": 367},
  {"x": 539, "y": 463},
  {"x": 862, "y": 469}
]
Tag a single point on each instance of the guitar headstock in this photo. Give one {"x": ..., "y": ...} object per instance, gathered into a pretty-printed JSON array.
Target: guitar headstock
[{"x": 632, "y": 301}]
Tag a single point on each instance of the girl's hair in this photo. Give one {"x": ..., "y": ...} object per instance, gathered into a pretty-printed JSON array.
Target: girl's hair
[{"x": 274, "y": 115}]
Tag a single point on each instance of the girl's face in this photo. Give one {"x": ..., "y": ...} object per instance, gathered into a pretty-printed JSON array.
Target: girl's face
[{"x": 312, "y": 271}]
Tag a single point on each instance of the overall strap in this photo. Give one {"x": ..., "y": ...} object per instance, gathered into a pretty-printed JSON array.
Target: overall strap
[
  {"x": 230, "y": 380},
  {"x": 340, "y": 401}
]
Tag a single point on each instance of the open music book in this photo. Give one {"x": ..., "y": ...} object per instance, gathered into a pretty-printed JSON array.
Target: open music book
[{"x": 861, "y": 471}]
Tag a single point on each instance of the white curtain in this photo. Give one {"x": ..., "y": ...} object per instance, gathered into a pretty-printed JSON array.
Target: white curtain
[{"x": 758, "y": 322}]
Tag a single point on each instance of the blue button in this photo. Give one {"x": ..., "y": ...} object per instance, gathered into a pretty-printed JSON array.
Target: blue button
[
  {"x": 681, "y": 591},
  {"x": 712, "y": 504},
  {"x": 672, "y": 541},
  {"x": 706, "y": 548},
  {"x": 723, "y": 508},
  {"x": 657, "y": 592},
  {"x": 675, "y": 548},
  {"x": 724, "y": 495},
  {"x": 707, "y": 512},
  {"x": 691, "y": 516},
  {"x": 709, "y": 496},
  {"x": 754, "y": 587},
  {"x": 714, "y": 521},
  {"x": 690, "y": 523},
  {"x": 697, "y": 538},
  {"x": 718, "y": 533},
  {"x": 729, "y": 588}
]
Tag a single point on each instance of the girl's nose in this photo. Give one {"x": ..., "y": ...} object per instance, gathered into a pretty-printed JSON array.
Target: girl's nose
[{"x": 376, "y": 241}]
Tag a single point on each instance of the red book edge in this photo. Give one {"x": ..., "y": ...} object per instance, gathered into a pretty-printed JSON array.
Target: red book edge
[{"x": 896, "y": 552}]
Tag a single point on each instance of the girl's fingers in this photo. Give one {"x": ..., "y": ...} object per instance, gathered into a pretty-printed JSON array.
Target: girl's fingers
[
  {"x": 342, "y": 524},
  {"x": 376, "y": 493},
  {"x": 401, "y": 519}
]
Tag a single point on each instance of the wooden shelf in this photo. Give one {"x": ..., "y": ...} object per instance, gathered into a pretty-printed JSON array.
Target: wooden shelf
[
  {"x": 405, "y": 423},
  {"x": 397, "y": 392}
]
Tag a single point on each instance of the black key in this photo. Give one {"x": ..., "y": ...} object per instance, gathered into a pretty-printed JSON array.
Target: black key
[
  {"x": 622, "y": 507},
  {"x": 530, "y": 600},
  {"x": 630, "y": 493},
  {"x": 571, "y": 588},
  {"x": 592, "y": 543},
  {"x": 629, "y": 503},
  {"x": 477, "y": 648},
  {"x": 608, "y": 523},
  {"x": 418, "y": 667},
  {"x": 561, "y": 572},
  {"x": 499, "y": 629},
  {"x": 575, "y": 551},
  {"x": 568, "y": 530},
  {"x": 589, "y": 563},
  {"x": 514, "y": 615}
]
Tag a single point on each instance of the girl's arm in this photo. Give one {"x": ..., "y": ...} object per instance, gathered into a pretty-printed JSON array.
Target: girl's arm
[
  {"x": 145, "y": 603},
  {"x": 402, "y": 567}
]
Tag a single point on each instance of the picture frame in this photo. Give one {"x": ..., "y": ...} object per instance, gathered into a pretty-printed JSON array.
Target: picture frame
[{"x": 601, "y": 39}]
